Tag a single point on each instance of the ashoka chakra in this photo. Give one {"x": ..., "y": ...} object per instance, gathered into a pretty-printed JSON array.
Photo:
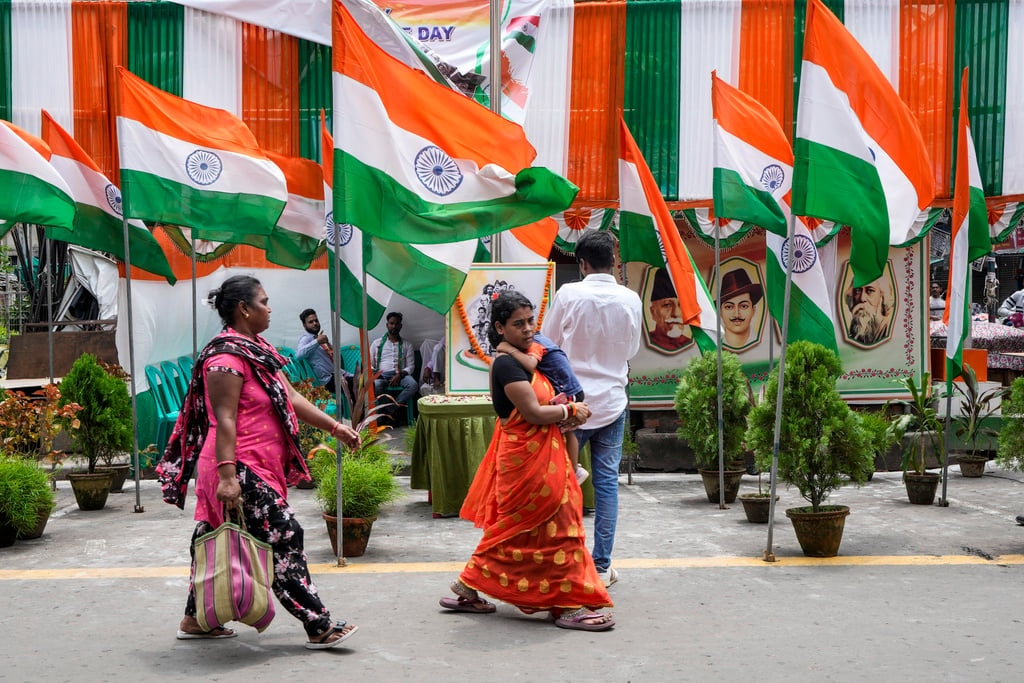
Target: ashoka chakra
[
  {"x": 203, "y": 167},
  {"x": 114, "y": 198},
  {"x": 772, "y": 177},
  {"x": 342, "y": 230},
  {"x": 804, "y": 254},
  {"x": 437, "y": 171}
]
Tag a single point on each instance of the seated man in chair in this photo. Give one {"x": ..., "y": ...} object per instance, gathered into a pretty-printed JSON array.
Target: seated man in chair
[
  {"x": 396, "y": 362},
  {"x": 316, "y": 348}
]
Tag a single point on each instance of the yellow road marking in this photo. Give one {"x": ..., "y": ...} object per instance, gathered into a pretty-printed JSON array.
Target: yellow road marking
[{"x": 353, "y": 567}]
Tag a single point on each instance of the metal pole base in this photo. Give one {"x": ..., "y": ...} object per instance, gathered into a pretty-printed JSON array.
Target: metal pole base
[
  {"x": 943, "y": 503},
  {"x": 723, "y": 506},
  {"x": 342, "y": 562},
  {"x": 140, "y": 508},
  {"x": 768, "y": 557}
]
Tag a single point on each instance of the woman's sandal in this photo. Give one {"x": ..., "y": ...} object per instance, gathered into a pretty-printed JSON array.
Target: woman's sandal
[
  {"x": 584, "y": 620},
  {"x": 477, "y": 605},
  {"x": 213, "y": 634},
  {"x": 324, "y": 642},
  {"x": 468, "y": 600}
]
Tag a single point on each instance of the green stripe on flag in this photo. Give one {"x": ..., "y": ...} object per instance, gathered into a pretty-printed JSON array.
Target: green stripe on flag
[
  {"x": 981, "y": 43},
  {"x": 527, "y": 42},
  {"x": 415, "y": 275},
  {"x": 806, "y": 320},
  {"x": 638, "y": 239},
  {"x": 151, "y": 197},
  {"x": 290, "y": 249},
  {"x": 652, "y": 80},
  {"x": 735, "y": 199},
  {"x": 97, "y": 229},
  {"x": 383, "y": 208},
  {"x": 156, "y": 44},
  {"x": 27, "y": 198},
  {"x": 5, "y": 60},
  {"x": 350, "y": 308},
  {"x": 314, "y": 94},
  {"x": 831, "y": 184}
]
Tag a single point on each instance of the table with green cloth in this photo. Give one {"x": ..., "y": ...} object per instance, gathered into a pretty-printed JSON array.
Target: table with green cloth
[{"x": 452, "y": 436}]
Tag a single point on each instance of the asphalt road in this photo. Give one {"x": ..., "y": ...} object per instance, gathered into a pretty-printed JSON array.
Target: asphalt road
[{"x": 917, "y": 594}]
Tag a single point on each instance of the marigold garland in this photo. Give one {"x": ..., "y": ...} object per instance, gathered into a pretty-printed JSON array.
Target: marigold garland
[{"x": 474, "y": 344}]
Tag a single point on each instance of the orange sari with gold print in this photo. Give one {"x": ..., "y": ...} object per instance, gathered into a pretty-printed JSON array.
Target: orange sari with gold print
[{"x": 525, "y": 497}]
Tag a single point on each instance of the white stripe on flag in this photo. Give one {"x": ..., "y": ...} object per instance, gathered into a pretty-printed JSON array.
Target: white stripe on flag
[
  {"x": 149, "y": 151},
  {"x": 89, "y": 187}
]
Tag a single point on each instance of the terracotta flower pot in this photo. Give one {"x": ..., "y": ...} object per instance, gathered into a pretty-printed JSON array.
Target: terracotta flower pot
[
  {"x": 756, "y": 507},
  {"x": 91, "y": 490},
  {"x": 819, "y": 533},
  {"x": 120, "y": 474},
  {"x": 972, "y": 465},
  {"x": 921, "y": 487},
  {"x": 732, "y": 484},
  {"x": 41, "y": 520},
  {"x": 355, "y": 534}
]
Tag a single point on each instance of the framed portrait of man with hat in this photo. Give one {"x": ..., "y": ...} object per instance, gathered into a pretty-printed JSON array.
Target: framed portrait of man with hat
[
  {"x": 742, "y": 310},
  {"x": 664, "y": 331}
]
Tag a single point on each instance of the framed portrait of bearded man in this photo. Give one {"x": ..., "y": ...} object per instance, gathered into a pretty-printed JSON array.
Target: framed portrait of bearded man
[{"x": 868, "y": 313}]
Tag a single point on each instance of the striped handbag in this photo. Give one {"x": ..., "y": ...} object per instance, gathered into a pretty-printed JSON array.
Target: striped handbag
[{"x": 232, "y": 575}]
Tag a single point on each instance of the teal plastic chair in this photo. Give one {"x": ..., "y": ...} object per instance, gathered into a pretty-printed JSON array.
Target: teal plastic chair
[
  {"x": 286, "y": 351},
  {"x": 350, "y": 358},
  {"x": 166, "y": 415},
  {"x": 177, "y": 384},
  {"x": 187, "y": 363}
]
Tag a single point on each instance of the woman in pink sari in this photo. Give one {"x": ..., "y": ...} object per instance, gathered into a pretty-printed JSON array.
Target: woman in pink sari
[{"x": 238, "y": 429}]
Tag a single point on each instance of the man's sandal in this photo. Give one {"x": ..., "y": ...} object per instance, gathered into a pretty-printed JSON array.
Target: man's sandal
[
  {"x": 324, "y": 642},
  {"x": 584, "y": 620}
]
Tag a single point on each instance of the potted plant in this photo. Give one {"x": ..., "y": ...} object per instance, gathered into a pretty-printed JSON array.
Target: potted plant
[
  {"x": 696, "y": 403},
  {"x": 882, "y": 437},
  {"x": 110, "y": 460},
  {"x": 1010, "y": 453},
  {"x": 922, "y": 429},
  {"x": 24, "y": 493},
  {"x": 367, "y": 483},
  {"x": 976, "y": 407},
  {"x": 821, "y": 445},
  {"x": 105, "y": 426}
]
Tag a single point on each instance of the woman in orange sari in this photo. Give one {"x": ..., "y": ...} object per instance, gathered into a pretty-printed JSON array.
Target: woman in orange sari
[{"x": 526, "y": 499}]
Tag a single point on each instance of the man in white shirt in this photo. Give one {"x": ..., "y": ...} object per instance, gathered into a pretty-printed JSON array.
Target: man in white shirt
[
  {"x": 597, "y": 322},
  {"x": 395, "y": 361}
]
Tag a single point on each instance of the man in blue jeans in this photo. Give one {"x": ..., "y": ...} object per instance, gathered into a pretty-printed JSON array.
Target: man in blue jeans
[{"x": 597, "y": 322}]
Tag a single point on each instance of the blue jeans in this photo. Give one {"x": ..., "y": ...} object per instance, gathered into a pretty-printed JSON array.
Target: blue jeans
[
  {"x": 605, "y": 455},
  {"x": 408, "y": 385}
]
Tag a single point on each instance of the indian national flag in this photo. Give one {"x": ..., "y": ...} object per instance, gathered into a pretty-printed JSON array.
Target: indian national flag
[
  {"x": 187, "y": 164},
  {"x": 422, "y": 164},
  {"x": 860, "y": 158},
  {"x": 526, "y": 244},
  {"x": 349, "y": 304},
  {"x": 752, "y": 177},
  {"x": 295, "y": 238},
  {"x": 648, "y": 234},
  {"x": 98, "y": 222},
  {"x": 968, "y": 240},
  {"x": 31, "y": 189}
]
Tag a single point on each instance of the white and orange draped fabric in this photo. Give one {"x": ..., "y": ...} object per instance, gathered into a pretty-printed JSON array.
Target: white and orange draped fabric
[{"x": 525, "y": 498}]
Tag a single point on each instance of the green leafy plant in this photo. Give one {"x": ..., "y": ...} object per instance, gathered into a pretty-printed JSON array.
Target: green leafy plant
[
  {"x": 822, "y": 440},
  {"x": 976, "y": 407},
  {"x": 880, "y": 434},
  {"x": 24, "y": 492},
  {"x": 696, "y": 403},
  {"x": 367, "y": 478},
  {"x": 105, "y": 419},
  {"x": 310, "y": 437},
  {"x": 921, "y": 421},
  {"x": 1011, "y": 436}
]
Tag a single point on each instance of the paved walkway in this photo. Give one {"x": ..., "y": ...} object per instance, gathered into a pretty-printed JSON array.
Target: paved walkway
[{"x": 918, "y": 593}]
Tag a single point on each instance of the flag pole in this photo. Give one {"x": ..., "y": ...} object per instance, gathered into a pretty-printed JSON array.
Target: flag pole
[
  {"x": 335, "y": 332},
  {"x": 943, "y": 502},
  {"x": 718, "y": 323},
  {"x": 131, "y": 363},
  {"x": 787, "y": 254},
  {"x": 49, "y": 301},
  {"x": 195, "y": 325},
  {"x": 495, "y": 96}
]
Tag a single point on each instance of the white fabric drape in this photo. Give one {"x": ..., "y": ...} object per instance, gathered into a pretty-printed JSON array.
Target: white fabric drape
[
  {"x": 547, "y": 107},
  {"x": 213, "y": 60},
  {"x": 708, "y": 42},
  {"x": 41, "y": 63},
  {"x": 1013, "y": 151},
  {"x": 876, "y": 26}
]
